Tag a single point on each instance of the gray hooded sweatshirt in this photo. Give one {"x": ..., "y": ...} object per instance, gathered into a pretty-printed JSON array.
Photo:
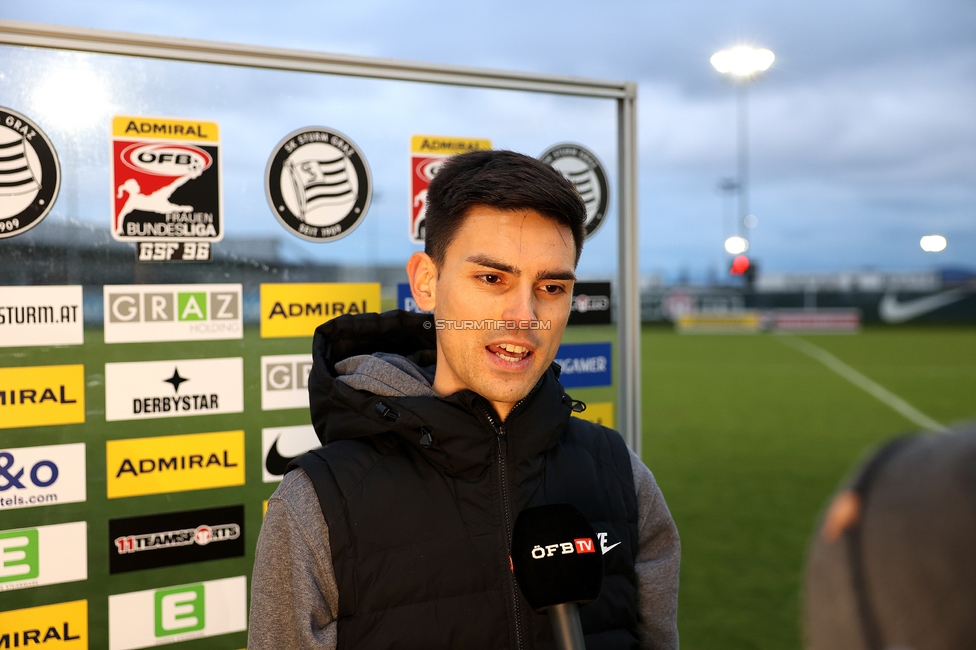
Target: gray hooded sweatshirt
[{"x": 294, "y": 595}]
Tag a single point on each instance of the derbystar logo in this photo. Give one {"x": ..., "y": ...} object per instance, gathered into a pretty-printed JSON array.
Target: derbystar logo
[
  {"x": 159, "y": 389},
  {"x": 41, "y": 316},
  {"x": 174, "y": 463},
  {"x": 289, "y": 310},
  {"x": 281, "y": 445},
  {"x": 172, "y": 312},
  {"x": 50, "y": 626},
  {"x": 46, "y": 555},
  {"x": 42, "y": 476},
  {"x": 284, "y": 381},
  {"x": 175, "y": 614},
  {"x": 42, "y": 395}
]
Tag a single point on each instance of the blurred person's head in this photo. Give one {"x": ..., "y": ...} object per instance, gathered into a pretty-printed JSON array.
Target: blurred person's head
[{"x": 893, "y": 565}]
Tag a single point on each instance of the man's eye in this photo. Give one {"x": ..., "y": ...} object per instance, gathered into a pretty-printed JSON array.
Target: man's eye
[
  {"x": 553, "y": 289},
  {"x": 491, "y": 279}
]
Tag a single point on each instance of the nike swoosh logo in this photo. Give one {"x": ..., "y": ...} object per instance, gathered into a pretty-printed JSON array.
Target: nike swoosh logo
[
  {"x": 611, "y": 547},
  {"x": 892, "y": 311},
  {"x": 275, "y": 463}
]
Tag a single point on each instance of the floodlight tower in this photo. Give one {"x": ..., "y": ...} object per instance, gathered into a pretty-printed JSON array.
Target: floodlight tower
[{"x": 742, "y": 64}]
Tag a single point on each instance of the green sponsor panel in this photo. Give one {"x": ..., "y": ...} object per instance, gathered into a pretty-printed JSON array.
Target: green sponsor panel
[
  {"x": 179, "y": 610},
  {"x": 19, "y": 555}
]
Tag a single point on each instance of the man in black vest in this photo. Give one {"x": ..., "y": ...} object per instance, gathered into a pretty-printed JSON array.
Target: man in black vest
[{"x": 438, "y": 430}]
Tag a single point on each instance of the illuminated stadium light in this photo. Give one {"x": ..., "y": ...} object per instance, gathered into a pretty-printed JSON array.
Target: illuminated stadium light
[
  {"x": 736, "y": 245},
  {"x": 740, "y": 265},
  {"x": 742, "y": 61},
  {"x": 932, "y": 243}
]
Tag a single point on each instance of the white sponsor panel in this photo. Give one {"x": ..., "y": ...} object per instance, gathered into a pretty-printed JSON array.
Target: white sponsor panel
[
  {"x": 45, "y": 555},
  {"x": 142, "y": 619},
  {"x": 174, "y": 388},
  {"x": 284, "y": 381},
  {"x": 137, "y": 313},
  {"x": 46, "y": 315},
  {"x": 279, "y": 445},
  {"x": 42, "y": 476}
]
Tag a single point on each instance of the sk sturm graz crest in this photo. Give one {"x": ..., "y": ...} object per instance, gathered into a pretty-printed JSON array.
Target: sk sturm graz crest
[
  {"x": 165, "y": 180},
  {"x": 584, "y": 170},
  {"x": 318, "y": 184},
  {"x": 30, "y": 175}
]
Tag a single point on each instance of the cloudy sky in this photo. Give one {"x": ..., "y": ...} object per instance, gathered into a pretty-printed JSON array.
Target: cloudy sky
[{"x": 863, "y": 133}]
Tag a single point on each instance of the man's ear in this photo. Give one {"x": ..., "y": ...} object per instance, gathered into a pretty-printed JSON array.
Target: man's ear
[{"x": 422, "y": 273}]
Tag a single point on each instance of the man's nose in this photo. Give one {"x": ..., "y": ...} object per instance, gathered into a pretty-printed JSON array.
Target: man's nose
[{"x": 520, "y": 305}]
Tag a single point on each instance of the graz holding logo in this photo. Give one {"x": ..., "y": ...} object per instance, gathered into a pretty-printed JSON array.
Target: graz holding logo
[
  {"x": 36, "y": 396},
  {"x": 173, "y": 538},
  {"x": 47, "y": 626},
  {"x": 172, "y": 312},
  {"x": 30, "y": 174},
  {"x": 284, "y": 381},
  {"x": 40, "y": 476}
]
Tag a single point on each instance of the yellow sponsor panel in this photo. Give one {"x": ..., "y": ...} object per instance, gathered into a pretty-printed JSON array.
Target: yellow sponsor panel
[
  {"x": 49, "y": 626},
  {"x": 40, "y": 395},
  {"x": 196, "y": 461},
  {"x": 441, "y": 145},
  {"x": 264, "y": 509},
  {"x": 599, "y": 412},
  {"x": 164, "y": 128},
  {"x": 721, "y": 322},
  {"x": 290, "y": 310}
]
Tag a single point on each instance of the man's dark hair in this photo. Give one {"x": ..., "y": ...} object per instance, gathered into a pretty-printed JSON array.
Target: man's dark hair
[{"x": 504, "y": 180}]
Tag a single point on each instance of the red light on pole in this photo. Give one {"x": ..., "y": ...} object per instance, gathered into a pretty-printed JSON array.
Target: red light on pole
[{"x": 740, "y": 265}]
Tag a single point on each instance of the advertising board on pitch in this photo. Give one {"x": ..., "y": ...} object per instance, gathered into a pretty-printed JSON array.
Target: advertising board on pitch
[
  {"x": 42, "y": 476},
  {"x": 284, "y": 381},
  {"x": 296, "y": 309},
  {"x": 149, "y": 313},
  {"x": 34, "y": 396},
  {"x": 142, "y": 619},
  {"x": 163, "y": 464},
  {"x": 164, "y": 389},
  {"x": 48, "y": 626},
  {"x": 44, "y": 555},
  {"x": 41, "y": 315}
]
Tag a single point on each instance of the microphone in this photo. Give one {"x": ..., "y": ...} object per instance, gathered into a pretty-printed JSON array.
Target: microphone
[{"x": 558, "y": 566}]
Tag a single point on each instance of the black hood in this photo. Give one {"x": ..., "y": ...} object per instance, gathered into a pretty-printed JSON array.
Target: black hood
[{"x": 456, "y": 432}]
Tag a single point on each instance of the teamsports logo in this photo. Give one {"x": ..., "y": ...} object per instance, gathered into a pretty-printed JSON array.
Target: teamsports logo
[
  {"x": 180, "y": 387},
  {"x": 165, "y": 180},
  {"x": 284, "y": 381},
  {"x": 142, "y": 619},
  {"x": 591, "y": 304},
  {"x": 281, "y": 445},
  {"x": 45, "y": 555},
  {"x": 49, "y": 626},
  {"x": 42, "y": 476},
  {"x": 34, "y": 396},
  {"x": 45, "y": 315},
  {"x": 138, "y": 313},
  {"x": 30, "y": 174},
  {"x": 318, "y": 184},
  {"x": 585, "y": 171}
]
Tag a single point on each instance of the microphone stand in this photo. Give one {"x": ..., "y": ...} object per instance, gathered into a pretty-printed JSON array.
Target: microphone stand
[{"x": 566, "y": 626}]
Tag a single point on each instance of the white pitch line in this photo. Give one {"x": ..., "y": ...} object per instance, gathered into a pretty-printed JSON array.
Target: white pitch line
[{"x": 876, "y": 390}]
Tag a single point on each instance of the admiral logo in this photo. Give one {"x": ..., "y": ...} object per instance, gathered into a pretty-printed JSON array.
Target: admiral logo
[
  {"x": 585, "y": 364},
  {"x": 45, "y": 555},
  {"x": 318, "y": 184},
  {"x": 30, "y": 174},
  {"x": 181, "y": 463},
  {"x": 48, "y": 626},
  {"x": 281, "y": 445},
  {"x": 591, "y": 304},
  {"x": 142, "y": 619},
  {"x": 42, "y": 395},
  {"x": 290, "y": 310},
  {"x": 172, "y": 312},
  {"x": 161, "y": 389},
  {"x": 427, "y": 154},
  {"x": 165, "y": 180},
  {"x": 152, "y": 541},
  {"x": 284, "y": 381},
  {"x": 584, "y": 170},
  {"x": 42, "y": 476},
  {"x": 41, "y": 316}
]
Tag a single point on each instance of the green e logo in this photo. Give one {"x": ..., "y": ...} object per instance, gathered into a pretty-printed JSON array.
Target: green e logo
[
  {"x": 19, "y": 555},
  {"x": 180, "y": 610},
  {"x": 192, "y": 306}
]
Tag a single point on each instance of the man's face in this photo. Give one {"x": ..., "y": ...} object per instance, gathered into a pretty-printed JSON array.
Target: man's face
[{"x": 502, "y": 266}]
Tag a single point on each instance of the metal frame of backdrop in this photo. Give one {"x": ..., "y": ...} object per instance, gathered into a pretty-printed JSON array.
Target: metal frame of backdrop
[{"x": 625, "y": 93}]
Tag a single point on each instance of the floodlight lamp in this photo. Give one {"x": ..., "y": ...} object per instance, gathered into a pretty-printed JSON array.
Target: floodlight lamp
[
  {"x": 742, "y": 61},
  {"x": 736, "y": 245},
  {"x": 932, "y": 243}
]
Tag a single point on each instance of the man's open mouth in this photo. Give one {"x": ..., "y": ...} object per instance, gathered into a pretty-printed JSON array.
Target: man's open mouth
[{"x": 509, "y": 351}]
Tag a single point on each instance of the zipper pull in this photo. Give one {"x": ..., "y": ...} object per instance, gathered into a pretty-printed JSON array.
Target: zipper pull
[{"x": 502, "y": 443}]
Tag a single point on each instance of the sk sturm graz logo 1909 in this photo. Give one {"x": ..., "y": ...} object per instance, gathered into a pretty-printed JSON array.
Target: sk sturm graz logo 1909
[
  {"x": 584, "y": 170},
  {"x": 165, "y": 180},
  {"x": 318, "y": 184},
  {"x": 30, "y": 175},
  {"x": 42, "y": 476},
  {"x": 152, "y": 541},
  {"x": 45, "y": 555}
]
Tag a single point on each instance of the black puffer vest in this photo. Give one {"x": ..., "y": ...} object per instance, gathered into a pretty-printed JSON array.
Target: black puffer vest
[{"x": 420, "y": 495}]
